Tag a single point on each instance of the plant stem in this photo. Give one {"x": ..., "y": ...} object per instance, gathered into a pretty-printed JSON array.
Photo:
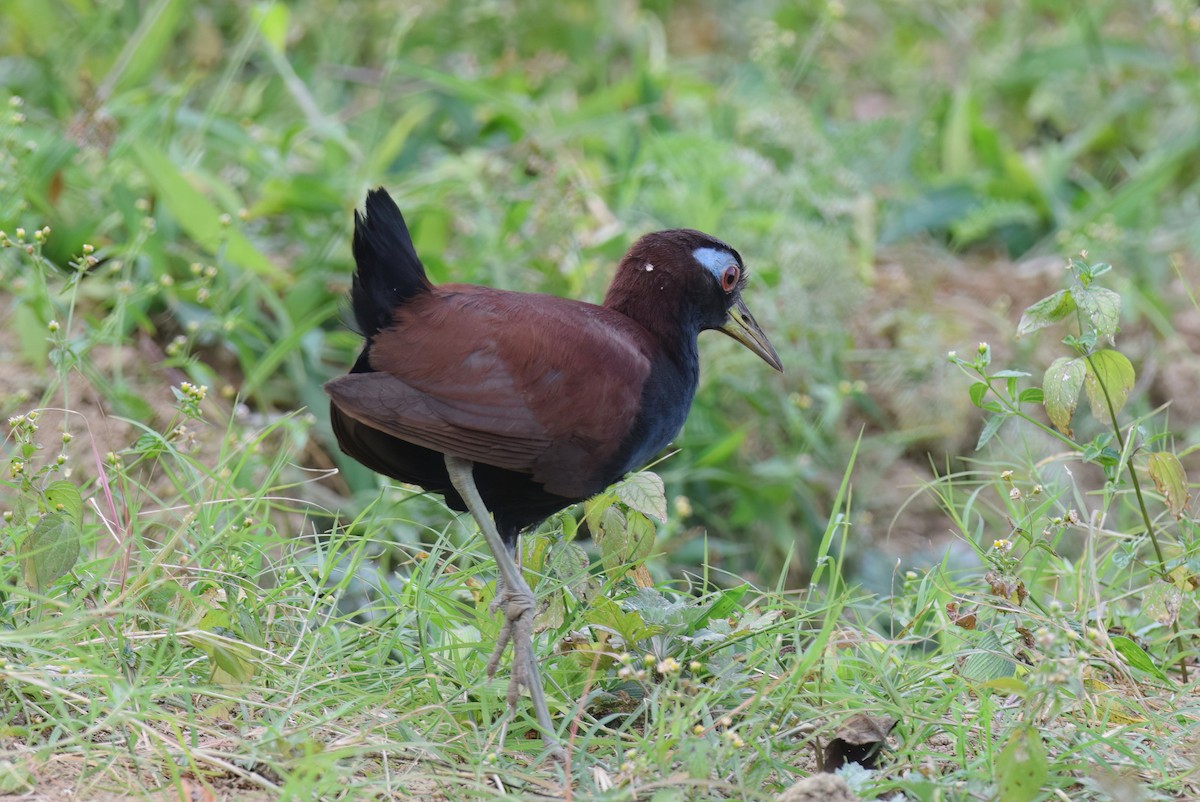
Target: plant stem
[{"x": 1141, "y": 500}]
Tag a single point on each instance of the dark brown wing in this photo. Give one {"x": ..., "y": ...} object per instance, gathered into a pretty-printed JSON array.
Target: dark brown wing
[{"x": 529, "y": 383}]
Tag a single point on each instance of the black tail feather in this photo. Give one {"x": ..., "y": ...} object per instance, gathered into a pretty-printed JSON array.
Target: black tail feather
[{"x": 388, "y": 271}]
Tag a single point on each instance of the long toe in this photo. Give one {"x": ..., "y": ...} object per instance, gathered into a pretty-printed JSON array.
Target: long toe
[
  {"x": 518, "y": 606},
  {"x": 500, "y": 598},
  {"x": 502, "y": 641},
  {"x": 518, "y": 614}
]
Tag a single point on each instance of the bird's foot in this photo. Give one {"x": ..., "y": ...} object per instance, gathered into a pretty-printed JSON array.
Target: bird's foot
[{"x": 519, "y": 607}]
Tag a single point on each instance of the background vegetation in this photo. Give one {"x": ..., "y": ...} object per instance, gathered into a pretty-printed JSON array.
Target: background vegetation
[{"x": 192, "y": 601}]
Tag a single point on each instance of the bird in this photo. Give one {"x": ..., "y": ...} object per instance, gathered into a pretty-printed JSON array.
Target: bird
[{"x": 514, "y": 405}]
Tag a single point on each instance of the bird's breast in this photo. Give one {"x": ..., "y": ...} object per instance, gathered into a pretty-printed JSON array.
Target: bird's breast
[{"x": 665, "y": 402}]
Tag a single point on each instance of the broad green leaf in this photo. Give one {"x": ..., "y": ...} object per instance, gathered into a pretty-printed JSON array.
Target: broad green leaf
[
  {"x": 50, "y": 550},
  {"x": 978, "y": 391},
  {"x": 1163, "y": 602},
  {"x": 1170, "y": 479},
  {"x": 607, "y": 614},
  {"x": 658, "y": 610},
  {"x": 987, "y": 661},
  {"x": 594, "y": 509},
  {"x": 569, "y": 563},
  {"x": 1046, "y": 312},
  {"x": 1021, "y": 767},
  {"x": 231, "y": 660},
  {"x": 624, "y": 539},
  {"x": 1136, "y": 656},
  {"x": 1102, "y": 308},
  {"x": 1115, "y": 371},
  {"x": 533, "y": 557},
  {"x": 62, "y": 496},
  {"x": 1061, "y": 386},
  {"x": 643, "y": 491},
  {"x": 197, "y": 216}
]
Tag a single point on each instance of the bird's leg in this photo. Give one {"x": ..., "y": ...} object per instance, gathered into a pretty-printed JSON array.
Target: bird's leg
[
  {"x": 515, "y": 552},
  {"x": 517, "y": 601}
]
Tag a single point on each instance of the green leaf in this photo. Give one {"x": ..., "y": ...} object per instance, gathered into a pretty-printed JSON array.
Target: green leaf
[
  {"x": 607, "y": 614},
  {"x": 1007, "y": 685},
  {"x": 197, "y": 216},
  {"x": 990, "y": 427},
  {"x": 1061, "y": 386},
  {"x": 1170, "y": 480},
  {"x": 626, "y": 539},
  {"x": 643, "y": 491},
  {"x": 1102, "y": 308},
  {"x": 725, "y": 603},
  {"x": 50, "y": 550},
  {"x": 1021, "y": 767},
  {"x": 231, "y": 660},
  {"x": 1115, "y": 372},
  {"x": 987, "y": 661},
  {"x": 1136, "y": 657},
  {"x": 1163, "y": 602},
  {"x": 978, "y": 392},
  {"x": 1046, "y": 312},
  {"x": 569, "y": 563},
  {"x": 62, "y": 496},
  {"x": 594, "y": 509}
]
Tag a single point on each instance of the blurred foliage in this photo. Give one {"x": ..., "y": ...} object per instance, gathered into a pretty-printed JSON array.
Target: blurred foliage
[{"x": 211, "y": 154}]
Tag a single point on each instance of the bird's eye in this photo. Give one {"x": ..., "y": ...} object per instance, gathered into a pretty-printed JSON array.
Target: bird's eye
[{"x": 729, "y": 278}]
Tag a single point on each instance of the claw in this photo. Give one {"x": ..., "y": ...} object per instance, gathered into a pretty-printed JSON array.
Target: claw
[{"x": 515, "y": 598}]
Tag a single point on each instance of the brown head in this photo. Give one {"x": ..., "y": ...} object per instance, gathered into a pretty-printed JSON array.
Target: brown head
[{"x": 683, "y": 281}]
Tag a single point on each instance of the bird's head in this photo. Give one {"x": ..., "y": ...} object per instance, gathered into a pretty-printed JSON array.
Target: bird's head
[{"x": 682, "y": 278}]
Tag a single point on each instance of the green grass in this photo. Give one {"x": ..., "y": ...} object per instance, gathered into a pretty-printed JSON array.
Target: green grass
[{"x": 200, "y": 595}]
